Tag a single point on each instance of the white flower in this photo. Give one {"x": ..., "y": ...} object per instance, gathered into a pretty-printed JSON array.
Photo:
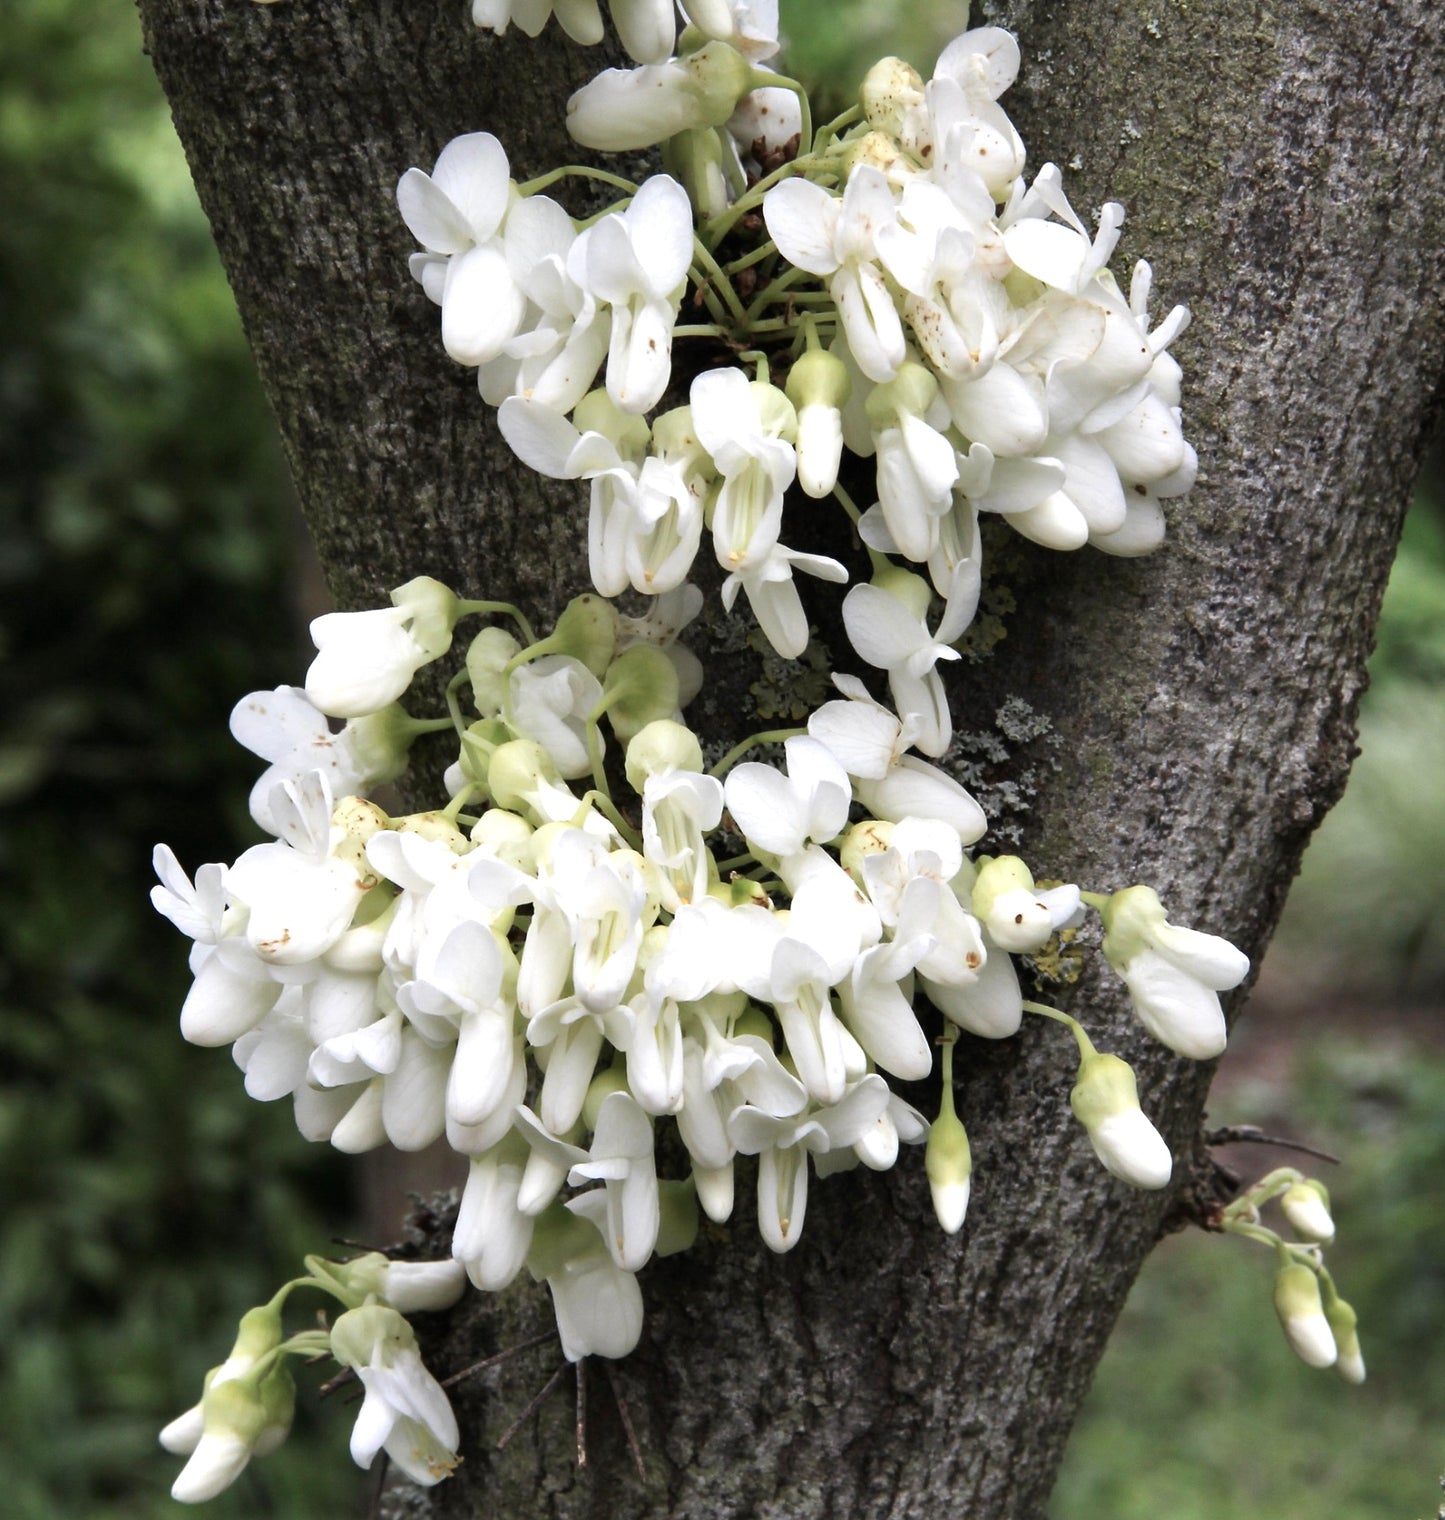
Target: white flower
[
  {"x": 456, "y": 214},
  {"x": 492, "y": 1234},
  {"x": 1174, "y": 975},
  {"x": 885, "y": 624},
  {"x": 625, "y": 109},
  {"x": 870, "y": 743},
  {"x": 637, "y": 261},
  {"x": 783, "y": 813},
  {"x": 580, "y": 19},
  {"x": 597, "y": 1303},
  {"x": 405, "y": 1409},
  {"x": 301, "y": 891},
  {"x": 837, "y": 239},
  {"x": 622, "y": 1159},
  {"x": 782, "y": 1146},
  {"x": 366, "y": 660}
]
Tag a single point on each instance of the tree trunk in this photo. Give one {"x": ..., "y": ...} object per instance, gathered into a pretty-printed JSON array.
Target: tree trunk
[{"x": 1183, "y": 720}]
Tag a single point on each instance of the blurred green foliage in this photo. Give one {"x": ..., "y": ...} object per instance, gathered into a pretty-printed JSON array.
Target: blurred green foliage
[
  {"x": 1368, "y": 912},
  {"x": 145, "y": 581}
]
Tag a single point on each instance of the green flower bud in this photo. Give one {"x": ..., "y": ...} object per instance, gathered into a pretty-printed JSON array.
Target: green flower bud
[
  {"x": 1302, "y": 1315},
  {"x": 515, "y": 771},
  {"x": 639, "y": 688},
  {"x": 437, "y": 826},
  {"x": 1105, "y": 1101},
  {"x": 910, "y": 393},
  {"x": 488, "y": 656},
  {"x": 719, "y": 77},
  {"x": 1132, "y": 919},
  {"x": 587, "y": 630},
  {"x": 752, "y": 1020},
  {"x": 912, "y": 590},
  {"x": 663, "y": 745},
  {"x": 818, "y": 378},
  {"x": 877, "y": 150},
  {"x": 1342, "y": 1320},
  {"x": 358, "y": 1333},
  {"x": 694, "y": 158},
  {"x": 433, "y": 611},
  {"x": 948, "y": 1161},
  {"x": 613, "y": 1079},
  {"x": 506, "y": 835},
  {"x": 597, "y": 412},
  {"x": 1306, "y": 1206},
  {"x": 381, "y": 742},
  {"x": 558, "y": 1237},
  {"x": 678, "y": 1227}
]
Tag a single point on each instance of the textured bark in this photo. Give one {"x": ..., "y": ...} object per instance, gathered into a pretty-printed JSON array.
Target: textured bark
[{"x": 1184, "y": 720}]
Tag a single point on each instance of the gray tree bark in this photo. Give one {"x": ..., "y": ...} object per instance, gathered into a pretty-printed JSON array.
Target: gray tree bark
[{"x": 1183, "y": 720}]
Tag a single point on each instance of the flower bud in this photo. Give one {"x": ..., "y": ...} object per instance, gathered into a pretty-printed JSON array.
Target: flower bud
[
  {"x": 487, "y": 658},
  {"x": 818, "y": 385},
  {"x": 677, "y": 1228},
  {"x": 663, "y": 745},
  {"x": 516, "y": 769},
  {"x": 1349, "y": 1363},
  {"x": 1297, "y": 1302},
  {"x": 872, "y": 836},
  {"x": 587, "y": 631},
  {"x": 1105, "y": 1101},
  {"x": 1016, "y": 913},
  {"x": 694, "y": 158},
  {"x": 612, "y": 1079},
  {"x": 909, "y": 394},
  {"x": 891, "y": 89},
  {"x": 640, "y": 688},
  {"x": 1306, "y": 1206},
  {"x": 949, "y": 1163}
]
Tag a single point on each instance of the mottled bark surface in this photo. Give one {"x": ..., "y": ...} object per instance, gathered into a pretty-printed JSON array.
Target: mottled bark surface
[{"x": 1183, "y": 720}]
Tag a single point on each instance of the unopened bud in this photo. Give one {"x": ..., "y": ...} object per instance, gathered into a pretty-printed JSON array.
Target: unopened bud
[
  {"x": 1297, "y": 1302},
  {"x": 663, "y": 745},
  {"x": 1349, "y": 1362},
  {"x": 948, "y": 1161},
  {"x": 1105, "y": 1101},
  {"x": 1306, "y": 1205},
  {"x": 640, "y": 688}
]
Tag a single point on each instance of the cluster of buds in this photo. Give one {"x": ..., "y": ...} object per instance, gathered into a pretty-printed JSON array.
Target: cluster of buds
[
  {"x": 247, "y": 1402},
  {"x": 1318, "y": 1324}
]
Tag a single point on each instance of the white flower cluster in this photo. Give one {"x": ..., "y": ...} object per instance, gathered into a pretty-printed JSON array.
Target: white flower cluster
[
  {"x": 552, "y": 971},
  {"x": 934, "y": 312},
  {"x": 545, "y": 983}
]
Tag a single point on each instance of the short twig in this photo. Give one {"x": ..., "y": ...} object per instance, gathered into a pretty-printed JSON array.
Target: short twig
[
  {"x": 498, "y": 1358},
  {"x": 1251, "y": 1134},
  {"x": 626, "y": 1414},
  {"x": 582, "y": 1412},
  {"x": 532, "y": 1408},
  {"x": 342, "y": 1378}
]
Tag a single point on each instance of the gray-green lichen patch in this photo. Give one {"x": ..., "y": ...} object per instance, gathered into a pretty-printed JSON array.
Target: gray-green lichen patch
[
  {"x": 789, "y": 690},
  {"x": 1005, "y": 766}
]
